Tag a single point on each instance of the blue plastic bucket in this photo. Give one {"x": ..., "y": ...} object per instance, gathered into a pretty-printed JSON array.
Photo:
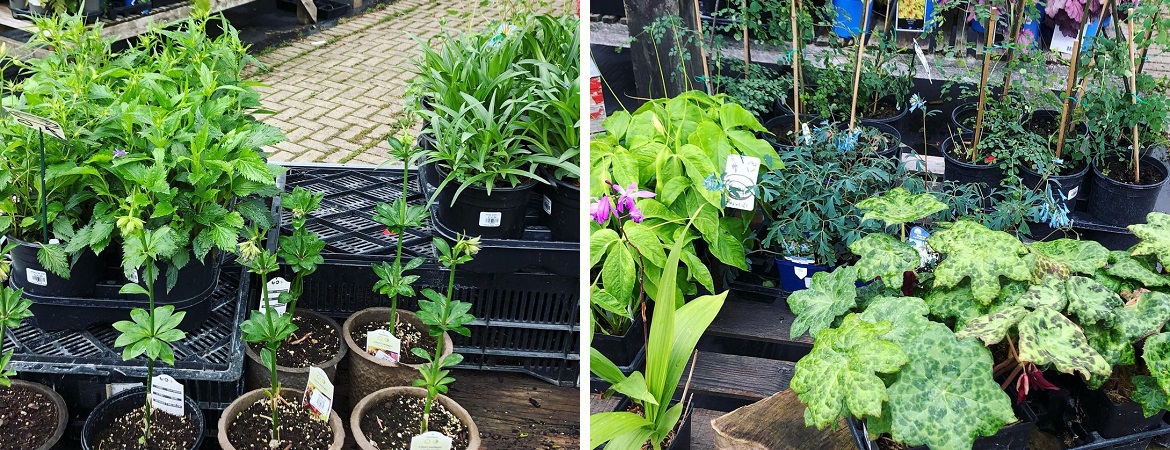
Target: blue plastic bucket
[{"x": 796, "y": 273}]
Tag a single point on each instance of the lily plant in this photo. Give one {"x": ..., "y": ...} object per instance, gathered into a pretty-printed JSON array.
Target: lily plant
[
  {"x": 398, "y": 216},
  {"x": 13, "y": 310}
]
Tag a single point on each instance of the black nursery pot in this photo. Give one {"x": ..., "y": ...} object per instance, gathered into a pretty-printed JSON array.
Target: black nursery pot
[
  {"x": 122, "y": 403},
  {"x": 885, "y": 128},
  {"x": 500, "y": 215},
  {"x": 1121, "y": 204},
  {"x": 1113, "y": 420},
  {"x": 1069, "y": 185},
  {"x": 781, "y": 121},
  {"x": 964, "y": 172},
  {"x": 28, "y": 273},
  {"x": 961, "y": 112},
  {"x": 625, "y": 350},
  {"x": 682, "y": 438},
  {"x": 1011, "y": 437},
  {"x": 892, "y": 121},
  {"x": 560, "y": 209}
]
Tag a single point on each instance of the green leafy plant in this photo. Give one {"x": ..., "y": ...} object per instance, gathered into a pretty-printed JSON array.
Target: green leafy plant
[
  {"x": 398, "y": 216},
  {"x": 301, "y": 250},
  {"x": 13, "y": 311},
  {"x": 442, "y": 314},
  {"x": 270, "y": 328}
]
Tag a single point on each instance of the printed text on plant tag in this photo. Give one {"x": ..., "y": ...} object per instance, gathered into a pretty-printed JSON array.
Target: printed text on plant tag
[
  {"x": 431, "y": 440},
  {"x": 318, "y": 394},
  {"x": 490, "y": 219},
  {"x": 277, "y": 286},
  {"x": 166, "y": 394},
  {"x": 382, "y": 344},
  {"x": 36, "y": 277},
  {"x": 740, "y": 179}
]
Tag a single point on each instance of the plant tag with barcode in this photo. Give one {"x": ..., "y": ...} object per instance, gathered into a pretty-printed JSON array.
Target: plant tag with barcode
[
  {"x": 490, "y": 219},
  {"x": 277, "y": 286},
  {"x": 739, "y": 177},
  {"x": 166, "y": 395},
  {"x": 382, "y": 344},
  {"x": 431, "y": 440},
  {"x": 318, "y": 394},
  {"x": 547, "y": 204},
  {"x": 35, "y": 122},
  {"x": 37, "y": 277}
]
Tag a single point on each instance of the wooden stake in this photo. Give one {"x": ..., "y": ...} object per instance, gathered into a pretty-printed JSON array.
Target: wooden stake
[
  {"x": 1013, "y": 40},
  {"x": 702, "y": 51},
  {"x": 795, "y": 68},
  {"x": 747, "y": 46},
  {"x": 1072, "y": 81},
  {"x": 1133, "y": 99},
  {"x": 1100, "y": 32},
  {"x": 983, "y": 81},
  {"x": 857, "y": 67}
]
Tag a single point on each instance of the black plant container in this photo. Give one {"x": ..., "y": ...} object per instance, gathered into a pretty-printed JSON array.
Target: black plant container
[
  {"x": 560, "y": 210},
  {"x": 330, "y": 10},
  {"x": 965, "y": 172},
  {"x": 500, "y": 215},
  {"x": 779, "y": 120},
  {"x": 886, "y": 128},
  {"x": 682, "y": 438},
  {"x": 1113, "y": 420},
  {"x": 961, "y": 111},
  {"x": 900, "y": 105},
  {"x": 28, "y": 273},
  {"x": 1069, "y": 185},
  {"x": 122, "y": 403},
  {"x": 625, "y": 350},
  {"x": 1011, "y": 437},
  {"x": 1120, "y": 204}
]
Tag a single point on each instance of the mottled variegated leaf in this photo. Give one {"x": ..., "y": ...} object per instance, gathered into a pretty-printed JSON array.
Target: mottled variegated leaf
[
  {"x": 993, "y": 327},
  {"x": 897, "y": 207},
  {"x": 905, "y": 314},
  {"x": 1155, "y": 237},
  {"x": 829, "y": 295},
  {"x": 1047, "y": 337},
  {"x": 1091, "y": 302},
  {"x": 1147, "y": 393},
  {"x": 945, "y": 397},
  {"x": 1156, "y": 354},
  {"x": 956, "y": 303},
  {"x": 1080, "y": 256},
  {"x": 1148, "y": 315},
  {"x": 1130, "y": 268},
  {"x": 973, "y": 251},
  {"x": 1049, "y": 293},
  {"x": 1010, "y": 293},
  {"x": 884, "y": 256},
  {"x": 838, "y": 378},
  {"x": 1111, "y": 343}
]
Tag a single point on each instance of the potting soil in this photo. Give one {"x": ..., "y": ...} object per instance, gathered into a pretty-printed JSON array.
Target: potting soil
[
  {"x": 314, "y": 342},
  {"x": 27, "y": 418},
  {"x": 299, "y": 430},
  {"x": 411, "y": 338},
  {"x": 393, "y": 422},
  {"x": 167, "y": 432}
]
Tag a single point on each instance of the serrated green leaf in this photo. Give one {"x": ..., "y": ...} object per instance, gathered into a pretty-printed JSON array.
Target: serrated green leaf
[
  {"x": 977, "y": 253},
  {"x": 898, "y": 206},
  {"x": 884, "y": 256},
  {"x": 617, "y": 273},
  {"x": 829, "y": 295},
  {"x": 54, "y": 259},
  {"x": 1083, "y": 257},
  {"x": 1130, "y": 268},
  {"x": 905, "y": 315},
  {"x": 1047, "y": 337},
  {"x": 1089, "y": 301},
  {"x": 1150, "y": 395},
  {"x": 1147, "y": 315},
  {"x": 956, "y": 303},
  {"x": 1155, "y": 237},
  {"x": 993, "y": 327}
]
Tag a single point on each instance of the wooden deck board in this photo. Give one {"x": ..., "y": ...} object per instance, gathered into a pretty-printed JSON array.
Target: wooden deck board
[
  {"x": 515, "y": 411},
  {"x": 756, "y": 321},
  {"x": 742, "y": 377}
]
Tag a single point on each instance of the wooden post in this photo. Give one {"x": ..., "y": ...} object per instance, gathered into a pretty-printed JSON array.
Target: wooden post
[
  {"x": 702, "y": 51},
  {"x": 1133, "y": 100},
  {"x": 1100, "y": 18},
  {"x": 747, "y": 47},
  {"x": 857, "y": 67},
  {"x": 1066, "y": 109},
  {"x": 983, "y": 81}
]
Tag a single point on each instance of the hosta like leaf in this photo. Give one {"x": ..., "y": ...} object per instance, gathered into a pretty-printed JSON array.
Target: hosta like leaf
[
  {"x": 1089, "y": 301},
  {"x": 1148, "y": 315},
  {"x": 1154, "y": 235},
  {"x": 898, "y": 206},
  {"x": 1156, "y": 354},
  {"x": 1150, "y": 395},
  {"x": 993, "y": 327},
  {"x": 829, "y": 295},
  {"x": 945, "y": 397},
  {"x": 1080, "y": 256},
  {"x": 838, "y": 378},
  {"x": 973, "y": 251},
  {"x": 884, "y": 256},
  {"x": 1047, "y": 337}
]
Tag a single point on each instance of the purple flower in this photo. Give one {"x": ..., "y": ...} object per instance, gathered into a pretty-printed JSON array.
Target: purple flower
[
  {"x": 118, "y": 153},
  {"x": 601, "y": 208},
  {"x": 636, "y": 215},
  {"x": 625, "y": 202}
]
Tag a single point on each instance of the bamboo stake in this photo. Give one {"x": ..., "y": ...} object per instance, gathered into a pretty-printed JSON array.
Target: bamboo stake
[
  {"x": 983, "y": 81},
  {"x": 795, "y": 68},
  {"x": 1100, "y": 33},
  {"x": 857, "y": 67},
  {"x": 1133, "y": 99},
  {"x": 747, "y": 47},
  {"x": 1013, "y": 40},
  {"x": 1072, "y": 81},
  {"x": 702, "y": 51}
]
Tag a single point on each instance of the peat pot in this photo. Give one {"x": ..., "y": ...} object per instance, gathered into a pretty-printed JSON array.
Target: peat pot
[
  {"x": 235, "y": 408},
  {"x": 367, "y": 373},
  {"x": 370, "y": 401},
  {"x": 293, "y": 377}
]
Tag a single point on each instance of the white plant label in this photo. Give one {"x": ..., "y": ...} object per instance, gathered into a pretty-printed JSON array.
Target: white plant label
[
  {"x": 318, "y": 394},
  {"x": 801, "y": 272},
  {"x": 547, "y": 203},
  {"x": 739, "y": 176},
  {"x": 39, "y": 123},
  {"x": 1073, "y": 193},
  {"x": 431, "y": 440},
  {"x": 133, "y": 276},
  {"x": 490, "y": 219},
  {"x": 276, "y": 286},
  {"x": 36, "y": 277},
  {"x": 1062, "y": 43},
  {"x": 166, "y": 395},
  {"x": 114, "y": 388},
  {"x": 382, "y": 344},
  {"x": 922, "y": 59}
]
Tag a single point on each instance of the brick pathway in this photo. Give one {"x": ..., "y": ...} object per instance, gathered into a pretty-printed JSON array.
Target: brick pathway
[{"x": 338, "y": 93}]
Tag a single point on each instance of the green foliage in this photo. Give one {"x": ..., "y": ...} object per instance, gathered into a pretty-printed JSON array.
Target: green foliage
[
  {"x": 840, "y": 376},
  {"x": 829, "y": 296},
  {"x": 443, "y": 314},
  {"x": 993, "y": 327},
  {"x": 301, "y": 250},
  {"x": 897, "y": 206},
  {"x": 150, "y": 333},
  {"x": 13, "y": 311},
  {"x": 882, "y": 255},
  {"x": 981, "y": 255},
  {"x": 1083, "y": 257},
  {"x": 1047, "y": 337},
  {"x": 1155, "y": 237}
]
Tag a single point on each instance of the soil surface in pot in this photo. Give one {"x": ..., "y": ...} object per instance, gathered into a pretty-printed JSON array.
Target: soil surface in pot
[
  {"x": 1118, "y": 387},
  {"x": 167, "y": 432},
  {"x": 314, "y": 342},
  {"x": 252, "y": 429},
  {"x": 1122, "y": 172},
  {"x": 874, "y": 140},
  {"x": 963, "y": 155},
  {"x": 394, "y": 421},
  {"x": 411, "y": 338},
  {"x": 783, "y": 133},
  {"x": 881, "y": 110},
  {"x": 27, "y": 418}
]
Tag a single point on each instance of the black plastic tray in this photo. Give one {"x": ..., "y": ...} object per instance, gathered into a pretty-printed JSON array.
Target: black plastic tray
[{"x": 329, "y": 9}]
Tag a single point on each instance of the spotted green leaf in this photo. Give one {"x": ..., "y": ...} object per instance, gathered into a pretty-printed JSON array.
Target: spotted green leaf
[
  {"x": 956, "y": 303},
  {"x": 1111, "y": 343},
  {"x": 1156, "y": 354},
  {"x": 898, "y": 206},
  {"x": 1147, "y": 315},
  {"x": 1155, "y": 237},
  {"x": 993, "y": 327},
  {"x": 1049, "y": 293},
  {"x": 905, "y": 314},
  {"x": 1089, "y": 301},
  {"x": 946, "y": 397},
  {"x": 977, "y": 253},
  {"x": 829, "y": 295},
  {"x": 1152, "y": 397},
  {"x": 884, "y": 256},
  {"x": 1130, "y": 268},
  {"x": 838, "y": 378},
  {"x": 1047, "y": 337},
  {"x": 1080, "y": 256}
]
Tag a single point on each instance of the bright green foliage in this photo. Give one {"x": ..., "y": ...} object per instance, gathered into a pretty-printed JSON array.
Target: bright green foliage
[
  {"x": 443, "y": 314},
  {"x": 1047, "y": 337},
  {"x": 993, "y": 327},
  {"x": 1150, "y": 395},
  {"x": 1135, "y": 269},
  {"x": 1111, "y": 343},
  {"x": 897, "y": 206},
  {"x": 955, "y": 303},
  {"x": 982, "y": 255},
  {"x": 839, "y": 377},
  {"x": 829, "y": 295},
  {"x": 905, "y": 315},
  {"x": 1156, "y": 354},
  {"x": 1089, "y": 301},
  {"x": 268, "y": 327},
  {"x": 392, "y": 278},
  {"x": 1149, "y": 314},
  {"x": 945, "y": 397},
  {"x": 884, "y": 256},
  {"x": 13, "y": 311},
  {"x": 138, "y": 336},
  {"x": 1155, "y": 237},
  {"x": 1083, "y": 257},
  {"x": 1050, "y": 294}
]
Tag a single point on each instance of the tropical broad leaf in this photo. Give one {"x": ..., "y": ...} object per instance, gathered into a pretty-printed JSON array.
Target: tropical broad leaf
[
  {"x": 1080, "y": 256},
  {"x": 884, "y": 256},
  {"x": 1148, "y": 315},
  {"x": 1089, "y": 301},
  {"x": 838, "y": 378},
  {"x": 829, "y": 295},
  {"x": 898, "y": 206},
  {"x": 977, "y": 253},
  {"x": 1150, "y": 395},
  {"x": 1155, "y": 237},
  {"x": 993, "y": 327},
  {"x": 1047, "y": 337},
  {"x": 946, "y": 397}
]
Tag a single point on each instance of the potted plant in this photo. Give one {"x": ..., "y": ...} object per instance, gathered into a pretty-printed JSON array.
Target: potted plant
[
  {"x": 390, "y": 417},
  {"x": 36, "y": 415},
  {"x": 274, "y": 416},
  {"x": 129, "y": 419},
  {"x": 319, "y": 343}
]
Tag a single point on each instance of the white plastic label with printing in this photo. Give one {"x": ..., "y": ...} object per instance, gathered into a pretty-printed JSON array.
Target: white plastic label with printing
[
  {"x": 739, "y": 176},
  {"x": 382, "y": 344},
  {"x": 431, "y": 440},
  {"x": 35, "y": 122},
  {"x": 36, "y": 277},
  {"x": 277, "y": 286},
  {"x": 490, "y": 219},
  {"x": 114, "y": 388},
  {"x": 166, "y": 395},
  {"x": 318, "y": 394},
  {"x": 1062, "y": 43},
  {"x": 547, "y": 203},
  {"x": 1073, "y": 193}
]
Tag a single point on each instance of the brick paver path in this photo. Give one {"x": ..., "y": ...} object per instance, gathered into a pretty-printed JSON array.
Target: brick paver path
[{"x": 337, "y": 94}]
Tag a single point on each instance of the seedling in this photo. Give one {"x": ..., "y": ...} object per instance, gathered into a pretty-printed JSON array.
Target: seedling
[
  {"x": 13, "y": 310},
  {"x": 398, "y": 216},
  {"x": 270, "y": 328}
]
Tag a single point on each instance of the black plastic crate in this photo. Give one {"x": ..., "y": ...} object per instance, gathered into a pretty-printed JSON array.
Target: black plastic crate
[
  {"x": 209, "y": 361},
  {"x": 561, "y": 372},
  {"x": 330, "y": 10}
]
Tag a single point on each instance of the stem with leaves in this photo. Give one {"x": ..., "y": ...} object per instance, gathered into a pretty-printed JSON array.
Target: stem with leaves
[
  {"x": 13, "y": 310},
  {"x": 398, "y": 216},
  {"x": 270, "y": 328},
  {"x": 301, "y": 250}
]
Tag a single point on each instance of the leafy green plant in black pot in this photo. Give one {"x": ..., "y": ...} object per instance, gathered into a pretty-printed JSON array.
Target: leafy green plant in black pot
[{"x": 46, "y": 425}]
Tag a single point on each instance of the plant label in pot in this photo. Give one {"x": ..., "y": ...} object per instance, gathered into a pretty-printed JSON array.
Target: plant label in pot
[
  {"x": 166, "y": 395},
  {"x": 383, "y": 345},
  {"x": 318, "y": 397},
  {"x": 431, "y": 440}
]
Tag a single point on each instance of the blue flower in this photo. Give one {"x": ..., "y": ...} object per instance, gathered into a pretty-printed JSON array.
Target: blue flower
[
  {"x": 712, "y": 183},
  {"x": 118, "y": 153}
]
